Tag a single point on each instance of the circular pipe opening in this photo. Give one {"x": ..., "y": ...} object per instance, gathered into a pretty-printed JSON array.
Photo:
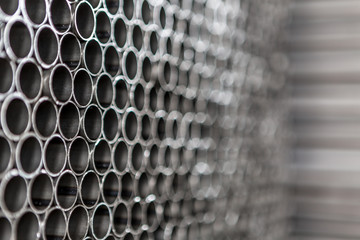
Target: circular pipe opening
[
  {"x": 29, "y": 77},
  {"x": 103, "y": 27},
  {"x": 111, "y": 61},
  {"x": 160, "y": 185},
  {"x": 137, "y": 37},
  {"x": 121, "y": 94},
  {"x": 83, "y": 88},
  {"x": 120, "y": 218},
  {"x": 111, "y": 125},
  {"x": 46, "y": 46},
  {"x": 120, "y": 32},
  {"x": 19, "y": 36},
  {"x": 6, "y": 75},
  {"x": 93, "y": 56},
  {"x": 15, "y": 108},
  {"x": 35, "y": 11},
  {"x": 45, "y": 118},
  {"x": 128, "y": 8},
  {"x": 61, "y": 85},
  {"x": 146, "y": 69},
  {"x": 145, "y": 127},
  {"x": 90, "y": 189},
  {"x": 29, "y": 154},
  {"x": 5, "y": 154},
  {"x": 70, "y": 51},
  {"x": 154, "y": 44},
  {"x": 79, "y": 155},
  {"x": 139, "y": 96},
  {"x": 151, "y": 214},
  {"x": 66, "y": 190},
  {"x": 55, "y": 225},
  {"x": 27, "y": 227},
  {"x": 102, "y": 157},
  {"x": 101, "y": 221},
  {"x": 130, "y": 65},
  {"x": 162, "y": 17},
  {"x": 154, "y": 157},
  {"x": 55, "y": 155},
  {"x": 136, "y": 216},
  {"x": 41, "y": 192},
  {"x": 14, "y": 194},
  {"x": 131, "y": 125},
  {"x": 137, "y": 155},
  {"x": 69, "y": 121},
  {"x": 112, "y": 6},
  {"x": 121, "y": 155},
  {"x": 84, "y": 20},
  {"x": 143, "y": 186},
  {"x": 127, "y": 185},
  {"x": 78, "y": 223},
  {"x": 60, "y": 15},
  {"x": 104, "y": 91},
  {"x": 110, "y": 188},
  {"x": 153, "y": 99},
  {"x": 146, "y": 12},
  {"x": 5, "y": 228},
  {"x": 92, "y": 122}
]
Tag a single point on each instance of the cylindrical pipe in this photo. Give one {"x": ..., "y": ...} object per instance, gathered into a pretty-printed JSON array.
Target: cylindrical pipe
[
  {"x": 121, "y": 99},
  {"x": 60, "y": 15},
  {"x": 93, "y": 56},
  {"x": 46, "y": 46},
  {"x": 146, "y": 122},
  {"x": 142, "y": 185},
  {"x": 128, "y": 9},
  {"x": 137, "y": 96},
  {"x": 18, "y": 39},
  {"x": 69, "y": 121},
  {"x": 70, "y": 51},
  {"x": 130, "y": 125},
  {"x": 120, "y": 155},
  {"x": 102, "y": 27},
  {"x": 78, "y": 155},
  {"x": 136, "y": 216},
  {"x": 167, "y": 74},
  {"x": 78, "y": 223},
  {"x": 172, "y": 125},
  {"x": 41, "y": 192},
  {"x": 34, "y": 11},
  {"x": 146, "y": 67},
  {"x": 66, "y": 190},
  {"x": 29, "y": 155},
  {"x": 82, "y": 88},
  {"x": 112, "y": 7},
  {"x": 13, "y": 189},
  {"x": 145, "y": 12},
  {"x": 110, "y": 188},
  {"x": 28, "y": 79},
  {"x": 120, "y": 219},
  {"x": 136, "y": 158},
  {"x": 151, "y": 42},
  {"x": 100, "y": 222},
  {"x": 101, "y": 157},
  {"x": 6, "y": 155},
  {"x": 89, "y": 190},
  {"x": 104, "y": 91},
  {"x": 111, "y": 60},
  {"x": 136, "y": 36},
  {"x": 92, "y": 123},
  {"x": 119, "y": 32},
  {"x": 151, "y": 217},
  {"x": 44, "y": 118},
  {"x": 130, "y": 64},
  {"x": 58, "y": 84},
  {"x": 158, "y": 126},
  {"x": 27, "y": 226},
  {"x": 112, "y": 123},
  {"x": 84, "y": 20},
  {"x": 6, "y": 228},
  {"x": 55, "y": 153},
  {"x": 55, "y": 224},
  {"x": 151, "y": 97},
  {"x": 152, "y": 157},
  {"x": 7, "y": 74},
  {"x": 9, "y": 9},
  {"x": 127, "y": 186}
]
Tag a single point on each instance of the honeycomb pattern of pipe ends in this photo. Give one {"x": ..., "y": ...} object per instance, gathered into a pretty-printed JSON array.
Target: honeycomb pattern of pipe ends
[{"x": 143, "y": 119}]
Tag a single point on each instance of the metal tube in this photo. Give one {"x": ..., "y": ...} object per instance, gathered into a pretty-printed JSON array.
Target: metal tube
[
  {"x": 151, "y": 42},
  {"x": 84, "y": 20},
  {"x": 9, "y": 9},
  {"x": 151, "y": 99},
  {"x": 158, "y": 126},
  {"x": 167, "y": 74},
  {"x": 136, "y": 35},
  {"x": 78, "y": 223},
  {"x": 66, "y": 190},
  {"x": 101, "y": 157},
  {"x": 104, "y": 91},
  {"x": 146, "y": 67},
  {"x": 152, "y": 154},
  {"x": 130, "y": 65},
  {"x": 55, "y": 224},
  {"x": 89, "y": 190},
  {"x": 130, "y": 125},
  {"x": 111, "y": 60},
  {"x": 146, "y": 123},
  {"x": 142, "y": 185},
  {"x": 127, "y": 186},
  {"x": 112, "y": 123},
  {"x": 110, "y": 188},
  {"x": 6, "y": 155},
  {"x": 145, "y": 12},
  {"x": 112, "y": 7},
  {"x": 102, "y": 27},
  {"x": 78, "y": 155},
  {"x": 70, "y": 51},
  {"x": 18, "y": 39},
  {"x": 60, "y": 15},
  {"x": 44, "y": 118},
  {"x": 136, "y": 158},
  {"x": 93, "y": 56},
  {"x": 69, "y": 121},
  {"x": 92, "y": 123},
  {"x": 120, "y": 156},
  {"x": 151, "y": 217},
  {"x": 41, "y": 192},
  {"x": 83, "y": 88},
  {"x": 100, "y": 221},
  {"x": 172, "y": 125},
  {"x": 128, "y": 9},
  {"x": 119, "y": 30},
  {"x": 6, "y": 228},
  {"x": 120, "y": 220},
  {"x": 55, "y": 154},
  {"x": 27, "y": 226},
  {"x": 46, "y": 46},
  {"x": 136, "y": 216},
  {"x": 137, "y": 96},
  {"x": 121, "y": 99},
  {"x": 59, "y": 84}
]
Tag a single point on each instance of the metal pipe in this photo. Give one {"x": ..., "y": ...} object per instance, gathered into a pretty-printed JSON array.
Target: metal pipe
[
  {"x": 84, "y": 20},
  {"x": 151, "y": 217},
  {"x": 55, "y": 224},
  {"x": 104, "y": 91},
  {"x": 70, "y": 51},
  {"x": 136, "y": 216},
  {"x": 60, "y": 15},
  {"x": 146, "y": 67},
  {"x": 136, "y": 158},
  {"x": 168, "y": 157},
  {"x": 112, "y": 123},
  {"x": 46, "y": 46},
  {"x": 58, "y": 84},
  {"x": 82, "y": 88},
  {"x": 130, "y": 64},
  {"x": 127, "y": 186},
  {"x": 146, "y": 123},
  {"x": 100, "y": 221},
  {"x": 120, "y": 220},
  {"x": 110, "y": 188},
  {"x": 92, "y": 123},
  {"x": 7, "y": 73},
  {"x": 120, "y": 156},
  {"x": 93, "y": 56},
  {"x": 69, "y": 121},
  {"x": 27, "y": 226},
  {"x": 13, "y": 189},
  {"x": 6, "y": 154},
  {"x": 152, "y": 157},
  {"x": 172, "y": 125},
  {"x": 130, "y": 125},
  {"x": 28, "y": 79},
  {"x": 136, "y": 35},
  {"x": 89, "y": 191},
  {"x": 55, "y": 154},
  {"x": 101, "y": 157},
  {"x": 102, "y": 27},
  {"x": 6, "y": 228},
  {"x": 78, "y": 223},
  {"x": 167, "y": 74},
  {"x": 112, "y": 7},
  {"x": 158, "y": 128},
  {"x": 151, "y": 42},
  {"x": 151, "y": 99},
  {"x": 34, "y": 11},
  {"x": 40, "y": 192},
  {"x": 29, "y": 155},
  {"x": 137, "y": 96},
  {"x": 128, "y": 9},
  {"x": 119, "y": 30},
  {"x": 145, "y": 12},
  {"x": 66, "y": 190},
  {"x": 142, "y": 185},
  {"x": 121, "y": 99},
  {"x": 9, "y": 9},
  {"x": 78, "y": 155},
  {"x": 44, "y": 118},
  {"x": 111, "y": 60},
  {"x": 18, "y": 39}
]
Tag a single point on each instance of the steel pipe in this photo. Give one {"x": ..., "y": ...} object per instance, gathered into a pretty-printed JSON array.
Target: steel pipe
[
  {"x": 55, "y": 155},
  {"x": 111, "y": 125},
  {"x": 120, "y": 156},
  {"x": 121, "y": 99},
  {"x": 142, "y": 185},
  {"x": 69, "y": 121},
  {"x": 58, "y": 84},
  {"x": 119, "y": 32},
  {"x": 84, "y": 20},
  {"x": 111, "y": 60},
  {"x": 7, "y": 74},
  {"x": 46, "y": 46},
  {"x": 128, "y": 9},
  {"x": 92, "y": 123},
  {"x": 78, "y": 223},
  {"x": 89, "y": 191},
  {"x": 27, "y": 226},
  {"x": 6, "y": 228},
  {"x": 55, "y": 224},
  {"x": 101, "y": 157},
  {"x": 60, "y": 15},
  {"x": 146, "y": 122},
  {"x": 82, "y": 88},
  {"x": 120, "y": 220},
  {"x": 130, "y": 125},
  {"x": 93, "y": 56},
  {"x": 28, "y": 79},
  {"x": 34, "y": 11},
  {"x": 78, "y": 155},
  {"x": 100, "y": 222},
  {"x": 9, "y": 9},
  {"x": 41, "y": 192},
  {"x": 151, "y": 216},
  {"x": 137, "y": 96},
  {"x": 66, "y": 190},
  {"x": 70, "y": 51},
  {"x": 110, "y": 188},
  {"x": 112, "y": 7},
  {"x": 127, "y": 186},
  {"x": 6, "y": 155},
  {"x": 104, "y": 91},
  {"x": 136, "y": 216},
  {"x": 102, "y": 27},
  {"x": 136, "y": 158},
  {"x": 130, "y": 65}
]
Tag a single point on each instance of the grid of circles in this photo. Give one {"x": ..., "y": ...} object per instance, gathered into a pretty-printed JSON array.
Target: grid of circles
[{"x": 123, "y": 119}]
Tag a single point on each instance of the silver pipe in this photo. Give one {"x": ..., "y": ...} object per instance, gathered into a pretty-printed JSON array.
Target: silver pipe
[
  {"x": 9, "y": 9},
  {"x": 13, "y": 189},
  {"x": 130, "y": 64},
  {"x": 112, "y": 7},
  {"x": 93, "y": 56},
  {"x": 92, "y": 123},
  {"x": 127, "y": 186},
  {"x": 70, "y": 51},
  {"x": 166, "y": 47},
  {"x": 136, "y": 35},
  {"x": 120, "y": 156},
  {"x": 55, "y": 154},
  {"x": 18, "y": 47},
  {"x": 111, "y": 60},
  {"x": 137, "y": 96},
  {"x": 78, "y": 223},
  {"x": 27, "y": 226},
  {"x": 66, "y": 190},
  {"x": 167, "y": 74},
  {"x": 151, "y": 97},
  {"x": 6, "y": 154},
  {"x": 44, "y": 118},
  {"x": 169, "y": 156},
  {"x": 104, "y": 91},
  {"x": 41, "y": 192},
  {"x": 146, "y": 67},
  {"x": 102, "y": 27},
  {"x": 130, "y": 125},
  {"x": 7, "y": 70},
  {"x": 6, "y": 228},
  {"x": 59, "y": 84},
  {"x": 142, "y": 185},
  {"x": 146, "y": 123},
  {"x": 119, "y": 32},
  {"x": 82, "y": 88},
  {"x": 151, "y": 216},
  {"x": 121, "y": 100},
  {"x": 78, "y": 155},
  {"x": 152, "y": 155},
  {"x": 60, "y": 16},
  {"x": 120, "y": 220},
  {"x": 136, "y": 162},
  {"x": 28, "y": 79},
  {"x": 128, "y": 9},
  {"x": 145, "y": 12},
  {"x": 162, "y": 16},
  {"x": 101, "y": 157},
  {"x": 151, "y": 42},
  {"x": 34, "y": 11},
  {"x": 110, "y": 188},
  {"x": 89, "y": 191},
  {"x": 172, "y": 125},
  {"x": 46, "y": 46},
  {"x": 29, "y": 155},
  {"x": 100, "y": 222},
  {"x": 111, "y": 125},
  {"x": 161, "y": 187},
  {"x": 69, "y": 121},
  {"x": 84, "y": 20},
  {"x": 55, "y": 224},
  {"x": 136, "y": 216},
  {"x": 158, "y": 126}
]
